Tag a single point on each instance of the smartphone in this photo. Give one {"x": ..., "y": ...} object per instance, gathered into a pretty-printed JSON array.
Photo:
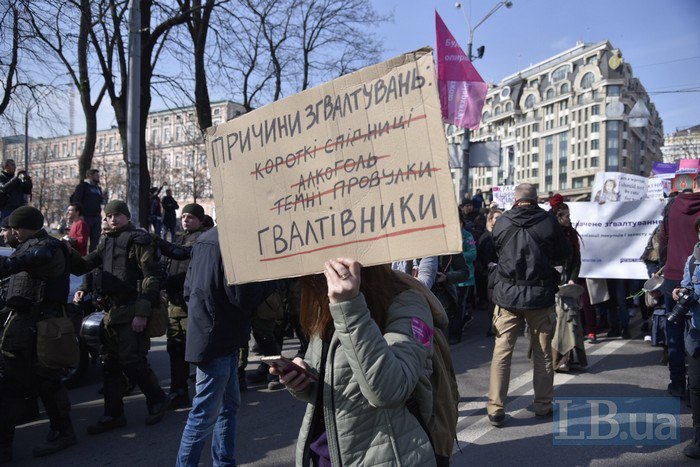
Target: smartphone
[{"x": 285, "y": 365}]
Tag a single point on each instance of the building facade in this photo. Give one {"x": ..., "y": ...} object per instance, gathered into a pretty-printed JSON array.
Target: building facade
[
  {"x": 174, "y": 146},
  {"x": 563, "y": 120},
  {"x": 683, "y": 144}
]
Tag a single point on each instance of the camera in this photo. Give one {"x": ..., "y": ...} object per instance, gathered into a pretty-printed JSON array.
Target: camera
[{"x": 686, "y": 299}]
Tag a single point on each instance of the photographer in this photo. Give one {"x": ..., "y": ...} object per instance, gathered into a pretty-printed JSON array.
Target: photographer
[
  {"x": 13, "y": 188},
  {"x": 687, "y": 306}
]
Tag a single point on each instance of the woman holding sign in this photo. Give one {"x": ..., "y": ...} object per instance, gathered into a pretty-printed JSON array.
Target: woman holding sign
[{"x": 368, "y": 360}]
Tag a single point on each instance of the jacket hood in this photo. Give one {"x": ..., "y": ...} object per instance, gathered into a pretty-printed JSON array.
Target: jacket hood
[
  {"x": 688, "y": 203},
  {"x": 527, "y": 216}
]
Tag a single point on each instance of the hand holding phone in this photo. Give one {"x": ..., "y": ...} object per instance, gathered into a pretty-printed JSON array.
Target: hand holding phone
[{"x": 284, "y": 366}]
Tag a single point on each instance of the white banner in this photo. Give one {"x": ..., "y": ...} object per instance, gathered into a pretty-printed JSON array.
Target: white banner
[
  {"x": 614, "y": 235},
  {"x": 618, "y": 186}
]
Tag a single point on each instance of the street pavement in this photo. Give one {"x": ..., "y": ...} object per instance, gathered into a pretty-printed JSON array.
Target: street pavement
[{"x": 268, "y": 422}]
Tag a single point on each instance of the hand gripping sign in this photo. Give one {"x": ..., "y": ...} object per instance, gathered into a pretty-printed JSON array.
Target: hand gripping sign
[{"x": 356, "y": 167}]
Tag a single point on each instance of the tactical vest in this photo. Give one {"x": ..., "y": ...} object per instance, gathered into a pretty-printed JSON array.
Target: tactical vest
[
  {"x": 177, "y": 269},
  {"x": 119, "y": 277},
  {"x": 33, "y": 289}
]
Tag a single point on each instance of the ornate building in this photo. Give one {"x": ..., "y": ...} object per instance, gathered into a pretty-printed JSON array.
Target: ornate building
[
  {"x": 564, "y": 119},
  {"x": 176, "y": 159}
]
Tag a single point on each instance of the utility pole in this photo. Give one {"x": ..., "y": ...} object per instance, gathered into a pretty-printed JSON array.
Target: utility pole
[
  {"x": 26, "y": 139},
  {"x": 133, "y": 111}
]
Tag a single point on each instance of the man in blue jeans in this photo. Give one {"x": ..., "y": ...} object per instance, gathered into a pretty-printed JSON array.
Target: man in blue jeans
[{"x": 218, "y": 324}]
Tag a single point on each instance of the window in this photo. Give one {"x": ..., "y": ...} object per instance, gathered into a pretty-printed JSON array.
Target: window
[
  {"x": 535, "y": 142},
  {"x": 614, "y": 91},
  {"x": 535, "y": 172},
  {"x": 564, "y": 88},
  {"x": 505, "y": 92},
  {"x": 579, "y": 99},
  {"x": 548, "y": 148},
  {"x": 217, "y": 111},
  {"x": 595, "y": 127},
  {"x": 590, "y": 60},
  {"x": 486, "y": 115},
  {"x": 509, "y": 106},
  {"x": 72, "y": 148},
  {"x": 594, "y": 162},
  {"x": 536, "y": 126},
  {"x": 166, "y": 135},
  {"x": 530, "y": 101},
  {"x": 613, "y": 145},
  {"x": 550, "y": 93},
  {"x": 587, "y": 80},
  {"x": 560, "y": 73},
  {"x": 595, "y": 110},
  {"x": 595, "y": 144},
  {"x": 563, "y": 148},
  {"x": 154, "y": 136},
  {"x": 110, "y": 144},
  {"x": 497, "y": 110},
  {"x": 178, "y": 133}
]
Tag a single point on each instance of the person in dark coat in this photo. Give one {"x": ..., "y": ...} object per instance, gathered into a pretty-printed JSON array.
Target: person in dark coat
[
  {"x": 219, "y": 324},
  {"x": 89, "y": 194},
  {"x": 529, "y": 243},
  {"x": 169, "y": 218},
  {"x": 13, "y": 188}
]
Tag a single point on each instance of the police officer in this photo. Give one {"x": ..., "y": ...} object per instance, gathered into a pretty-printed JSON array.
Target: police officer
[
  {"x": 130, "y": 281},
  {"x": 191, "y": 219},
  {"x": 37, "y": 290}
]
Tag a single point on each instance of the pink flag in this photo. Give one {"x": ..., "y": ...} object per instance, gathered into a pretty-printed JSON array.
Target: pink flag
[{"x": 462, "y": 90}]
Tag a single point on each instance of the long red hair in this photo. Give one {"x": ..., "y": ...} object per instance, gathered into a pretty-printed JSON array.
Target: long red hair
[{"x": 377, "y": 283}]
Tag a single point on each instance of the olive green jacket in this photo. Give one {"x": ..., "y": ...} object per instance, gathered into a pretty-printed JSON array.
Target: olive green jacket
[{"x": 369, "y": 376}]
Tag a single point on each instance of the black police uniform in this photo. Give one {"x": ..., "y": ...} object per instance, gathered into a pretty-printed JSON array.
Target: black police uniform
[{"x": 37, "y": 290}]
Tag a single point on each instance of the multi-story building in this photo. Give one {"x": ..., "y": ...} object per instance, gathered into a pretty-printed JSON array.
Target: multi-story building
[
  {"x": 176, "y": 159},
  {"x": 683, "y": 144},
  {"x": 563, "y": 120}
]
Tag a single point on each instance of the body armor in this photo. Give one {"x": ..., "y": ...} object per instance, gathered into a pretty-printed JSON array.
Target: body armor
[
  {"x": 119, "y": 276},
  {"x": 29, "y": 288},
  {"x": 177, "y": 269}
]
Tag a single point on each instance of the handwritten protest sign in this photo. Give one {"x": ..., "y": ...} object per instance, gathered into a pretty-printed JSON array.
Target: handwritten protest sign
[
  {"x": 504, "y": 196},
  {"x": 355, "y": 167}
]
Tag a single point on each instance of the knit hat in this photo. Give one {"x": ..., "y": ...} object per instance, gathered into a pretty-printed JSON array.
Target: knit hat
[
  {"x": 5, "y": 224},
  {"x": 26, "y": 217},
  {"x": 555, "y": 200},
  {"x": 117, "y": 206},
  {"x": 195, "y": 209},
  {"x": 208, "y": 222}
]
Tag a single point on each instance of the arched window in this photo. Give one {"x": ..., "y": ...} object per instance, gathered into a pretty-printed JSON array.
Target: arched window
[
  {"x": 587, "y": 80},
  {"x": 497, "y": 110},
  {"x": 550, "y": 93},
  {"x": 530, "y": 101},
  {"x": 509, "y": 106},
  {"x": 564, "y": 88},
  {"x": 486, "y": 115},
  {"x": 560, "y": 73}
]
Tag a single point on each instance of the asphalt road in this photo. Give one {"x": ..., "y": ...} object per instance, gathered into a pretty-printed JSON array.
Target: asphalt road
[{"x": 269, "y": 420}]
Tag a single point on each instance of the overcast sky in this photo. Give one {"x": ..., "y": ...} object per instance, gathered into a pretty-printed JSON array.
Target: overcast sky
[{"x": 659, "y": 38}]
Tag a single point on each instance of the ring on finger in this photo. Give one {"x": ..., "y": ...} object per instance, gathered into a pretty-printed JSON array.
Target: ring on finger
[{"x": 345, "y": 276}]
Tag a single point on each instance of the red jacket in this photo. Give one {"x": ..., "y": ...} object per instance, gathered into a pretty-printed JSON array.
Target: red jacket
[
  {"x": 678, "y": 232},
  {"x": 80, "y": 232}
]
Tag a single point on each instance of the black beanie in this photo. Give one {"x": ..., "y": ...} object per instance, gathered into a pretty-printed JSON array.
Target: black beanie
[
  {"x": 115, "y": 206},
  {"x": 26, "y": 217},
  {"x": 195, "y": 209},
  {"x": 5, "y": 224}
]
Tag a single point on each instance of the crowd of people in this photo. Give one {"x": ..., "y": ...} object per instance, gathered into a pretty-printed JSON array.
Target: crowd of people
[{"x": 369, "y": 336}]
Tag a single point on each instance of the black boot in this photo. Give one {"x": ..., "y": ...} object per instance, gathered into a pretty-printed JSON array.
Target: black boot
[
  {"x": 55, "y": 441},
  {"x": 692, "y": 450},
  {"x": 105, "y": 424}
]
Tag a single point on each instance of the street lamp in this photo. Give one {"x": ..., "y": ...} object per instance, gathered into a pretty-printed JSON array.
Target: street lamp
[{"x": 464, "y": 185}]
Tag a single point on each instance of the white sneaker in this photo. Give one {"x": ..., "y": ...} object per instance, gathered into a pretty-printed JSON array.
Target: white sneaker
[{"x": 647, "y": 338}]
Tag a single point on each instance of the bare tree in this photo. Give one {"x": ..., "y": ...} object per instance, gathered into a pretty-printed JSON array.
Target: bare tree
[
  {"x": 107, "y": 36},
  {"x": 72, "y": 49},
  {"x": 9, "y": 27}
]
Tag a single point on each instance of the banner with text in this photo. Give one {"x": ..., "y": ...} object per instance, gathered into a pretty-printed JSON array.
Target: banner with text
[
  {"x": 618, "y": 186},
  {"x": 356, "y": 167},
  {"x": 504, "y": 196},
  {"x": 614, "y": 236}
]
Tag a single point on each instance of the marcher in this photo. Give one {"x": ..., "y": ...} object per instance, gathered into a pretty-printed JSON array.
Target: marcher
[
  {"x": 567, "y": 343},
  {"x": 14, "y": 188},
  {"x": 676, "y": 241},
  {"x": 452, "y": 269},
  {"x": 79, "y": 233},
  {"x": 478, "y": 200},
  {"x": 529, "y": 243},
  {"x": 423, "y": 269},
  {"x": 155, "y": 211},
  {"x": 130, "y": 280},
  {"x": 219, "y": 323},
  {"x": 37, "y": 291},
  {"x": 465, "y": 289},
  {"x": 169, "y": 215},
  {"x": 486, "y": 259},
  {"x": 89, "y": 194},
  {"x": 691, "y": 283},
  {"x": 357, "y": 411},
  {"x": 192, "y": 216}
]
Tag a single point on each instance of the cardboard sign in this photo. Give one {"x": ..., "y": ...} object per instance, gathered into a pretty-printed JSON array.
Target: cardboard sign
[{"x": 356, "y": 167}]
